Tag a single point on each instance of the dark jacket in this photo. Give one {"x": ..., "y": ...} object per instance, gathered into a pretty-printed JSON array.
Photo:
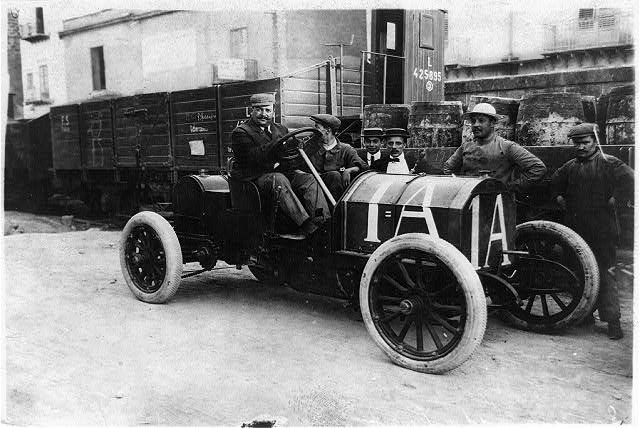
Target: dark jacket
[
  {"x": 381, "y": 164},
  {"x": 587, "y": 185},
  {"x": 255, "y": 153},
  {"x": 340, "y": 156}
]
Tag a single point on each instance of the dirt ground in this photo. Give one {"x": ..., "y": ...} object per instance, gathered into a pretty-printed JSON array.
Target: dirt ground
[{"x": 81, "y": 350}]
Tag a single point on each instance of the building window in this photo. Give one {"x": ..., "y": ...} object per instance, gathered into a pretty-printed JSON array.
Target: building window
[
  {"x": 239, "y": 43},
  {"x": 39, "y": 21},
  {"x": 11, "y": 106},
  {"x": 97, "y": 68},
  {"x": 30, "y": 88},
  {"x": 44, "y": 83},
  {"x": 585, "y": 19}
]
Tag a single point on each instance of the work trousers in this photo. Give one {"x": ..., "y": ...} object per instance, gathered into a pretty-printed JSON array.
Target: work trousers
[
  {"x": 608, "y": 302},
  {"x": 300, "y": 195},
  {"x": 333, "y": 180}
]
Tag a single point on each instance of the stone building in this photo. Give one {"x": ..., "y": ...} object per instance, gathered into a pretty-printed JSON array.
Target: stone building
[{"x": 126, "y": 52}]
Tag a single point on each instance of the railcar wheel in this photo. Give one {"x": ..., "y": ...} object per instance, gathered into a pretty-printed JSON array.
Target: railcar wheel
[
  {"x": 558, "y": 283},
  {"x": 422, "y": 302},
  {"x": 150, "y": 257}
]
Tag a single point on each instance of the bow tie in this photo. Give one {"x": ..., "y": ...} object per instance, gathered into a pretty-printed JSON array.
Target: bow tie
[{"x": 394, "y": 159}]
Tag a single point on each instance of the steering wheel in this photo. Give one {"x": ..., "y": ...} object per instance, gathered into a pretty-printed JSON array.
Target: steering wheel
[
  {"x": 289, "y": 153},
  {"x": 288, "y": 150}
]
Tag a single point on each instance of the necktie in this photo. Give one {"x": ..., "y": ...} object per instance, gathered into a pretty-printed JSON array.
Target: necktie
[{"x": 266, "y": 131}]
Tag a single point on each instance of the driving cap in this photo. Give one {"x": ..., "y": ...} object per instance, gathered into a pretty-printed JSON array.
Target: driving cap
[
  {"x": 327, "y": 120},
  {"x": 582, "y": 129},
  {"x": 396, "y": 132},
  {"x": 258, "y": 100},
  {"x": 483, "y": 108},
  {"x": 372, "y": 132}
]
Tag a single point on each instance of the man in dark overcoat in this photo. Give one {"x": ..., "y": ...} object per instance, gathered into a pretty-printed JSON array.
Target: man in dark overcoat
[
  {"x": 260, "y": 160},
  {"x": 587, "y": 188}
]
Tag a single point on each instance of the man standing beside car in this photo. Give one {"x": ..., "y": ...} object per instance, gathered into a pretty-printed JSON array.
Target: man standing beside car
[
  {"x": 259, "y": 160},
  {"x": 489, "y": 153},
  {"x": 393, "y": 162},
  {"x": 372, "y": 139},
  {"x": 587, "y": 188}
]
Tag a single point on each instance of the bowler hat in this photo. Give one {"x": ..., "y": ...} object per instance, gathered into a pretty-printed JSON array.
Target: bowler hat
[
  {"x": 327, "y": 120},
  {"x": 396, "y": 132},
  {"x": 372, "y": 132},
  {"x": 583, "y": 129},
  {"x": 483, "y": 108},
  {"x": 258, "y": 100}
]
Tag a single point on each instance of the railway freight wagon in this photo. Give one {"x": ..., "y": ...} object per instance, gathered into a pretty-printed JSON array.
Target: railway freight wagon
[{"x": 27, "y": 163}]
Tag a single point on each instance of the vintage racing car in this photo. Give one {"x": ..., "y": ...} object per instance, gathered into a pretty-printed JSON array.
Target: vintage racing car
[{"x": 425, "y": 257}]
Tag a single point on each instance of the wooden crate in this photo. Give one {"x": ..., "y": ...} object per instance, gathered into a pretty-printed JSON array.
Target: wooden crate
[
  {"x": 148, "y": 115},
  {"x": 194, "y": 129},
  {"x": 65, "y": 137},
  {"x": 96, "y": 135}
]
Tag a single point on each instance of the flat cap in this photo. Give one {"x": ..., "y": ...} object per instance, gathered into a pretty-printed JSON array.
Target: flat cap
[
  {"x": 262, "y": 99},
  {"x": 396, "y": 132},
  {"x": 372, "y": 132},
  {"x": 582, "y": 129},
  {"x": 327, "y": 120}
]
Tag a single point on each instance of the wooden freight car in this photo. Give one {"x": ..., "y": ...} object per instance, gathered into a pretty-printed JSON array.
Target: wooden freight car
[{"x": 27, "y": 163}]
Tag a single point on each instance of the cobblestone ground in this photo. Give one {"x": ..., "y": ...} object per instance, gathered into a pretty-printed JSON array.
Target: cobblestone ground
[{"x": 81, "y": 350}]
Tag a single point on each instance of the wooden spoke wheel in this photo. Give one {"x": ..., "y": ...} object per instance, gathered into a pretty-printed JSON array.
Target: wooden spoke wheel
[
  {"x": 558, "y": 281},
  {"x": 150, "y": 257},
  {"x": 423, "y": 303}
]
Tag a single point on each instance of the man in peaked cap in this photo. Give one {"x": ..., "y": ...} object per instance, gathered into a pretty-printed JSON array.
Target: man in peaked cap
[
  {"x": 336, "y": 162},
  {"x": 587, "y": 188},
  {"x": 499, "y": 158},
  {"x": 258, "y": 159},
  {"x": 372, "y": 139},
  {"x": 393, "y": 162}
]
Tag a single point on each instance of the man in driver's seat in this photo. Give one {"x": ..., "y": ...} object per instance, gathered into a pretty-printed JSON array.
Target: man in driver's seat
[{"x": 261, "y": 161}]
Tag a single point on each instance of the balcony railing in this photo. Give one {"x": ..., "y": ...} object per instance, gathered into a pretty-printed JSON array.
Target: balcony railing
[
  {"x": 31, "y": 33},
  {"x": 597, "y": 32}
]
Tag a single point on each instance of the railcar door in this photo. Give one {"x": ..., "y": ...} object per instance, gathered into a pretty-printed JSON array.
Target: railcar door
[{"x": 388, "y": 30}]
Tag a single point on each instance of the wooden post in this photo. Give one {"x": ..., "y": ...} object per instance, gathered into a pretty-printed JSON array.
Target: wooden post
[{"x": 332, "y": 102}]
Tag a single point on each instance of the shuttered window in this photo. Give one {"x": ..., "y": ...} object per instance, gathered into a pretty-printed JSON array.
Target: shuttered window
[
  {"x": 97, "y": 68},
  {"x": 44, "y": 82}
]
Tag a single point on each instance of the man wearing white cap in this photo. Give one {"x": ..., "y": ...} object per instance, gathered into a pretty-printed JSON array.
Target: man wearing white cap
[
  {"x": 260, "y": 160},
  {"x": 491, "y": 154}
]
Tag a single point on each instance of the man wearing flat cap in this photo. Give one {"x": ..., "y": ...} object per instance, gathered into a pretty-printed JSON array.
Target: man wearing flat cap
[
  {"x": 489, "y": 153},
  {"x": 393, "y": 162},
  {"x": 587, "y": 188},
  {"x": 372, "y": 139},
  {"x": 260, "y": 160},
  {"x": 336, "y": 162}
]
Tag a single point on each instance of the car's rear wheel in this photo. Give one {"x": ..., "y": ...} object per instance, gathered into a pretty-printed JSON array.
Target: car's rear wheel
[
  {"x": 423, "y": 303},
  {"x": 150, "y": 257},
  {"x": 558, "y": 281}
]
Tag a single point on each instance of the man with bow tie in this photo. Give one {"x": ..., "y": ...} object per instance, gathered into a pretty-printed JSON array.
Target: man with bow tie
[
  {"x": 393, "y": 162},
  {"x": 336, "y": 162},
  {"x": 260, "y": 160}
]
